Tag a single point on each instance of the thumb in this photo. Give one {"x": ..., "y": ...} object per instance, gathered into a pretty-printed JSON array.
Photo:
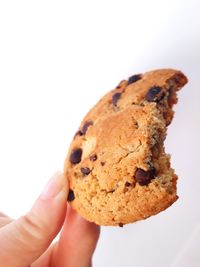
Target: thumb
[{"x": 24, "y": 240}]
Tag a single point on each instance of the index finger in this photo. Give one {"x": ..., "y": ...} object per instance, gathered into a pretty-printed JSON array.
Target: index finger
[{"x": 77, "y": 241}]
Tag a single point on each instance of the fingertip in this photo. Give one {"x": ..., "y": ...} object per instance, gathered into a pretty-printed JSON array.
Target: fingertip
[
  {"x": 85, "y": 224},
  {"x": 78, "y": 229},
  {"x": 56, "y": 185},
  {"x": 79, "y": 237}
]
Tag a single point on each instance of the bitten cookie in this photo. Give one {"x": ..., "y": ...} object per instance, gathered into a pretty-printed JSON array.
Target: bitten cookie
[{"x": 117, "y": 166}]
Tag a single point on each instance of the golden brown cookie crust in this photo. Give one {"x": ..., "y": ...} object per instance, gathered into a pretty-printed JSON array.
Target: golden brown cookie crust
[{"x": 117, "y": 167}]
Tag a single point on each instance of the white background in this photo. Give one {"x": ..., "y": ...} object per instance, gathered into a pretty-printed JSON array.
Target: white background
[{"x": 56, "y": 59}]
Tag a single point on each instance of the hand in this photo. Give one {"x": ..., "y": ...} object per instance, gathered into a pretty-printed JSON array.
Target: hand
[{"x": 27, "y": 241}]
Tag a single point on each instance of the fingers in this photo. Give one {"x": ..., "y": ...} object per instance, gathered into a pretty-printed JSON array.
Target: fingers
[
  {"x": 45, "y": 259},
  {"x": 2, "y": 214},
  {"x": 77, "y": 242},
  {"x": 24, "y": 240},
  {"x": 4, "y": 219}
]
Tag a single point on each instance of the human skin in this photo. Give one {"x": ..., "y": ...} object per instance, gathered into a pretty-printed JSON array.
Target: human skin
[{"x": 27, "y": 241}]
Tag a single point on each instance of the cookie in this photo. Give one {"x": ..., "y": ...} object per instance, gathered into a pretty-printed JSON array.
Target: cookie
[{"x": 117, "y": 166}]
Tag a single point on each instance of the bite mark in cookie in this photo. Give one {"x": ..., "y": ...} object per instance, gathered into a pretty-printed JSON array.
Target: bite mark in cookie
[{"x": 144, "y": 177}]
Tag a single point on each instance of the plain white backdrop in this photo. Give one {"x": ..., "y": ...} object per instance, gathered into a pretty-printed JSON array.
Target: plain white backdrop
[{"x": 56, "y": 59}]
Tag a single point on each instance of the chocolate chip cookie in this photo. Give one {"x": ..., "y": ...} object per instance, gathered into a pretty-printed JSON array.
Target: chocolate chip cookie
[{"x": 117, "y": 166}]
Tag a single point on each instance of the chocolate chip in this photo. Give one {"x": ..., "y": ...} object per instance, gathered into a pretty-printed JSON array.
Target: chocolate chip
[
  {"x": 76, "y": 155},
  {"x": 86, "y": 126},
  {"x": 144, "y": 177},
  {"x": 134, "y": 78},
  {"x": 121, "y": 225},
  {"x": 153, "y": 171},
  {"x": 127, "y": 184},
  {"x": 93, "y": 157},
  {"x": 154, "y": 95},
  {"x": 71, "y": 195},
  {"x": 78, "y": 133},
  {"x": 85, "y": 170},
  {"x": 115, "y": 98},
  {"x": 84, "y": 129},
  {"x": 102, "y": 163}
]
